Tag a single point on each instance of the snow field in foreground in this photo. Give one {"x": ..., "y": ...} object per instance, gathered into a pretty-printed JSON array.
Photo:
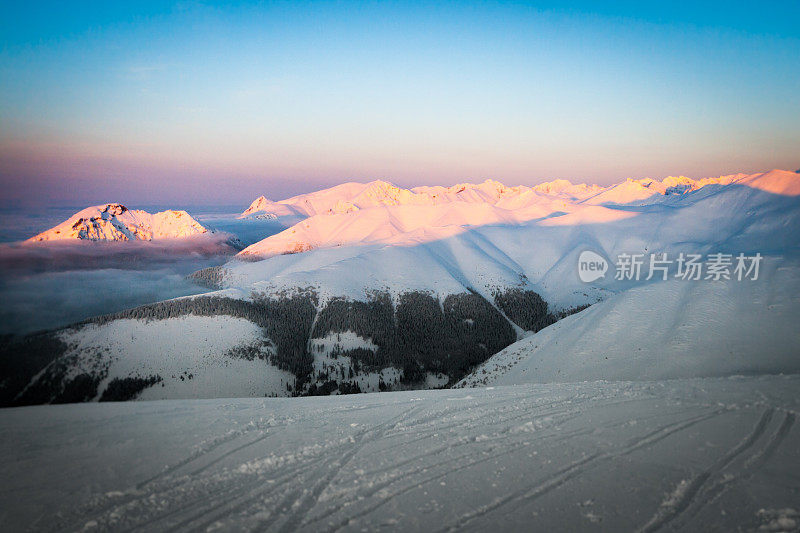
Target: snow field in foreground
[{"x": 695, "y": 454}]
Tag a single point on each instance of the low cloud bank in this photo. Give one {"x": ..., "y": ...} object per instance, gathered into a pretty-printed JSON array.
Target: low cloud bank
[
  {"x": 55, "y": 284},
  {"x": 27, "y": 258}
]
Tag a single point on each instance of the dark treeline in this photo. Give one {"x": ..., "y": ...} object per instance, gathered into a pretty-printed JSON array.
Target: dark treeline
[
  {"x": 211, "y": 277},
  {"x": 526, "y": 308},
  {"x": 330, "y": 386},
  {"x": 53, "y": 386},
  {"x": 251, "y": 351},
  {"x": 285, "y": 320},
  {"x": 418, "y": 334},
  {"x": 21, "y": 359},
  {"x": 571, "y": 311},
  {"x": 124, "y": 389},
  {"x": 422, "y": 334}
]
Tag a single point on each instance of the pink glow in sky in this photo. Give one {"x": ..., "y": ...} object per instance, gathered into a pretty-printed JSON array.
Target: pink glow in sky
[{"x": 185, "y": 104}]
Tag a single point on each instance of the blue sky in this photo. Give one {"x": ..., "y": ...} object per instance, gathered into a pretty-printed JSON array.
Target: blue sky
[{"x": 192, "y": 103}]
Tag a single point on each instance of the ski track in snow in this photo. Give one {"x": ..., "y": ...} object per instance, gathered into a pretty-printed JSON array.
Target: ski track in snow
[{"x": 651, "y": 456}]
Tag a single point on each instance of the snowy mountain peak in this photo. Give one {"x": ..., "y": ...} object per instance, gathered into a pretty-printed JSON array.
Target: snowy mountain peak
[
  {"x": 775, "y": 181},
  {"x": 494, "y": 184},
  {"x": 379, "y": 193},
  {"x": 381, "y": 189},
  {"x": 553, "y": 186},
  {"x": 260, "y": 201},
  {"x": 381, "y": 185},
  {"x": 264, "y": 207},
  {"x": 115, "y": 222}
]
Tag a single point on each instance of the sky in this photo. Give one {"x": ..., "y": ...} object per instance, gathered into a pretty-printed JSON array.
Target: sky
[{"x": 186, "y": 103}]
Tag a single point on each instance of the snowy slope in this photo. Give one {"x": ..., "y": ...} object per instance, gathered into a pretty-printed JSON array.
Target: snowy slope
[
  {"x": 688, "y": 455},
  {"x": 665, "y": 330},
  {"x": 631, "y": 190},
  {"x": 400, "y": 225},
  {"x": 774, "y": 181},
  {"x": 115, "y": 222},
  {"x": 194, "y": 356},
  {"x": 459, "y": 245}
]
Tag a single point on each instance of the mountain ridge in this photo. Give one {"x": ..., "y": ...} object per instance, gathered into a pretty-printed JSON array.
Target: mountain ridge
[
  {"x": 441, "y": 214},
  {"x": 115, "y": 222},
  {"x": 356, "y": 195}
]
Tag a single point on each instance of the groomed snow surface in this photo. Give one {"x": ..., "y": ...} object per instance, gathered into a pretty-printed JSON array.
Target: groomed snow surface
[{"x": 698, "y": 455}]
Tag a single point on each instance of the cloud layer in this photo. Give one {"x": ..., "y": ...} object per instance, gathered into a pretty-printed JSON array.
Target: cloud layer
[{"x": 48, "y": 286}]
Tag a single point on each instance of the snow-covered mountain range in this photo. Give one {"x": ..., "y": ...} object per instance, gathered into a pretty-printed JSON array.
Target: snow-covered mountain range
[
  {"x": 379, "y": 287},
  {"x": 408, "y": 216},
  {"x": 525, "y": 239},
  {"x": 115, "y": 222},
  {"x": 350, "y": 197}
]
